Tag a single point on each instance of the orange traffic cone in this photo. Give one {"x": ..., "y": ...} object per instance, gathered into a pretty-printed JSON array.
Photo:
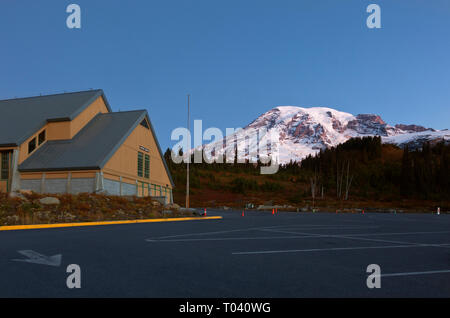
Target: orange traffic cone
[{"x": 273, "y": 211}]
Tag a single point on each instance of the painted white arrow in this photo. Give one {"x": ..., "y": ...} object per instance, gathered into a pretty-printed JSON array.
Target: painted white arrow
[{"x": 37, "y": 258}]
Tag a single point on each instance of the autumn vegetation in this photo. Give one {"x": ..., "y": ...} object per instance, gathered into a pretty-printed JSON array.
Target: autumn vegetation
[
  {"x": 26, "y": 208},
  {"x": 362, "y": 173}
]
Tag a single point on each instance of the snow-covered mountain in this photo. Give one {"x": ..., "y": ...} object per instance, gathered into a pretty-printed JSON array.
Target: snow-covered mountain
[{"x": 303, "y": 131}]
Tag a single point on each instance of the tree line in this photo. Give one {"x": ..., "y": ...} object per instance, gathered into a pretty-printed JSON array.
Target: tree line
[{"x": 360, "y": 167}]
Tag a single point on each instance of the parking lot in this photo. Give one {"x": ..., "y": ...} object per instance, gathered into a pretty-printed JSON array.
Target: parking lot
[{"x": 289, "y": 254}]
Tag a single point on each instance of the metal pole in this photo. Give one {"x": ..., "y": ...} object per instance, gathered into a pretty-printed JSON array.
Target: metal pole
[{"x": 189, "y": 153}]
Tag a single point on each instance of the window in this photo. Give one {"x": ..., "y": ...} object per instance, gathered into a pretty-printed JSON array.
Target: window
[
  {"x": 4, "y": 165},
  {"x": 140, "y": 164},
  {"x": 153, "y": 188},
  {"x": 158, "y": 187},
  {"x": 32, "y": 145},
  {"x": 145, "y": 124},
  {"x": 41, "y": 138},
  {"x": 147, "y": 167}
]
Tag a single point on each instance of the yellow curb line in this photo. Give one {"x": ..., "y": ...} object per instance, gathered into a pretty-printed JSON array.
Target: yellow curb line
[{"x": 57, "y": 225}]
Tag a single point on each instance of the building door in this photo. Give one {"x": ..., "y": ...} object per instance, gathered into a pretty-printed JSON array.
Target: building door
[{"x": 5, "y": 170}]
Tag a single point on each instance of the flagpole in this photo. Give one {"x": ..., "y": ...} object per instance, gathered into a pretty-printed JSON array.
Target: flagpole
[{"x": 189, "y": 151}]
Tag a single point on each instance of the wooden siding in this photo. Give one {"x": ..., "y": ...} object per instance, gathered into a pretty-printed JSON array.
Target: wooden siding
[{"x": 125, "y": 162}]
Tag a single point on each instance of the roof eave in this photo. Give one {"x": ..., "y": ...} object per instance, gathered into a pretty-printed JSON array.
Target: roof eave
[
  {"x": 80, "y": 109},
  {"x": 59, "y": 169},
  {"x": 8, "y": 145},
  {"x": 100, "y": 93},
  {"x": 122, "y": 140},
  {"x": 160, "y": 152}
]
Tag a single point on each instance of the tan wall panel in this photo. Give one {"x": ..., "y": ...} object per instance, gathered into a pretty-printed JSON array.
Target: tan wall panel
[
  {"x": 23, "y": 148},
  {"x": 115, "y": 176},
  {"x": 58, "y": 130},
  {"x": 31, "y": 176},
  {"x": 3, "y": 186},
  {"x": 57, "y": 175},
  {"x": 124, "y": 161},
  {"x": 7, "y": 148},
  {"x": 83, "y": 174},
  {"x": 129, "y": 180},
  {"x": 60, "y": 175},
  {"x": 111, "y": 177},
  {"x": 98, "y": 106}
]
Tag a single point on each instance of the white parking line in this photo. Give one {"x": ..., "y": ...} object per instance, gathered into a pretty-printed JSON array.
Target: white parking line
[
  {"x": 216, "y": 232},
  {"x": 228, "y": 239},
  {"x": 401, "y": 233},
  {"x": 312, "y": 226},
  {"x": 297, "y": 235},
  {"x": 330, "y": 227},
  {"x": 267, "y": 228},
  {"x": 415, "y": 273},
  {"x": 321, "y": 249},
  {"x": 367, "y": 234},
  {"x": 315, "y": 226},
  {"x": 350, "y": 237},
  {"x": 338, "y": 249},
  {"x": 356, "y": 236}
]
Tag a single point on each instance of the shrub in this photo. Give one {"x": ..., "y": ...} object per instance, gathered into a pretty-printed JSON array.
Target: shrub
[
  {"x": 241, "y": 185},
  {"x": 270, "y": 186}
]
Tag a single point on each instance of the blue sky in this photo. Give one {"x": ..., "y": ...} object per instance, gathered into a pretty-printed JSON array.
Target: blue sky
[{"x": 237, "y": 58}]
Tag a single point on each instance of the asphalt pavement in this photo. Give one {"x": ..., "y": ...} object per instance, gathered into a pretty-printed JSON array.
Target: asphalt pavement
[{"x": 289, "y": 254}]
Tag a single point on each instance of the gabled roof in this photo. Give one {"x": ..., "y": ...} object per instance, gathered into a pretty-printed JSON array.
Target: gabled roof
[
  {"x": 22, "y": 117},
  {"x": 92, "y": 147}
]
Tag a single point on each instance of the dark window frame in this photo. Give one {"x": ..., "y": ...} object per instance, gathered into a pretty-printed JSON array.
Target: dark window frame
[
  {"x": 32, "y": 145},
  {"x": 5, "y": 158},
  {"x": 140, "y": 164},
  {"x": 42, "y": 137},
  {"x": 147, "y": 166}
]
